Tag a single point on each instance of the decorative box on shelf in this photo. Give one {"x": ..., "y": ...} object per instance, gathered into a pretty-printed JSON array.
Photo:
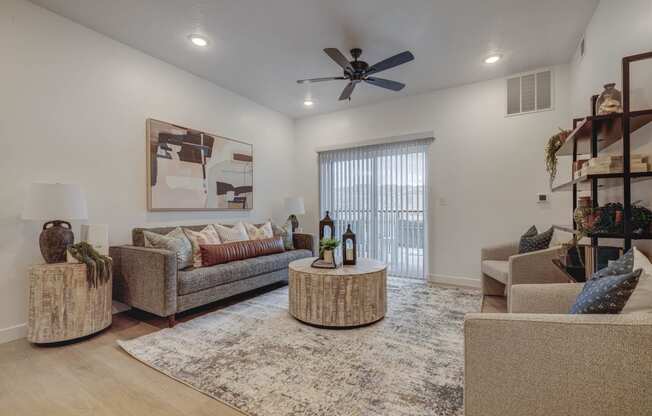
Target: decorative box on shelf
[{"x": 62, "y": 305}]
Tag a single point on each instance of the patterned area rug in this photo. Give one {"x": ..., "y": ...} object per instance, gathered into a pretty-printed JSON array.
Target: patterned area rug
[{"x": 255, "y": 357}]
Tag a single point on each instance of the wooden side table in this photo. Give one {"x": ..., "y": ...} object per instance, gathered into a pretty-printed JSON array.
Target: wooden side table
[
  {"x": 343, "y": 297},
  {"x": 63, "y": 306}
]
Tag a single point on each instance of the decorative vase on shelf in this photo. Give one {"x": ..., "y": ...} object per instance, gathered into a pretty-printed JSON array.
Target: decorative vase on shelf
[
  {"x": 583, "y": 214},
  {"x": 609, "y": 101}
]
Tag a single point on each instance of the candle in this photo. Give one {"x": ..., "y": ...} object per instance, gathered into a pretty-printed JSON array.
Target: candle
[{"x": 349, "y": 254}]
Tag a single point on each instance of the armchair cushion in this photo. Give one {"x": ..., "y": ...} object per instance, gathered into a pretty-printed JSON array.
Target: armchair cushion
[{"x": 496, "y": 269}]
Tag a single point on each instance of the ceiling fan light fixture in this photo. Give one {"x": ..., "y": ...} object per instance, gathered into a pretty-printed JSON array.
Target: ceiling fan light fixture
[
  {"x": 308, "y": 103},
  {"x": 198, "y": 40},
  {"x": 492, "y": 59}
]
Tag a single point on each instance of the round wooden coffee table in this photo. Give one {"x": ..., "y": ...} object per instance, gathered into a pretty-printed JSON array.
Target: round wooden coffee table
[{"x": 343, "y": 297}]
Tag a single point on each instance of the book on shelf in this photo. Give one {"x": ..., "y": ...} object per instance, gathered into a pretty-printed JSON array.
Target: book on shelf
[
  {"x": 612, "y": 168},
  {"x": 616, "y": 159}
]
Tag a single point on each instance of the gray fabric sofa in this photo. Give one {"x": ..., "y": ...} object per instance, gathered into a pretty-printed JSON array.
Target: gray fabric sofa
[{"x": 147, "y": 278}]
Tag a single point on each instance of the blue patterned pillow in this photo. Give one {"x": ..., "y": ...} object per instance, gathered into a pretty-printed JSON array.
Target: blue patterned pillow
[
  {"x": 531, "y": 232},
  {"x": 535, "y": 242},
  {"x": 625, "y": 264},
  {"x": 607, "y": 294}
]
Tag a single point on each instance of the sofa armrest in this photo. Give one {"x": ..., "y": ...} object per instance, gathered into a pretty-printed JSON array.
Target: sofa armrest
[
  {"x": 499, "y": 252},
  {"x": 536, "y": 267},
  {"x": 545, "y": 298},
  {"x": 304, "y": 241},
  {"x": 536, "y": 364},
  {"x": 146, "y": 278}
]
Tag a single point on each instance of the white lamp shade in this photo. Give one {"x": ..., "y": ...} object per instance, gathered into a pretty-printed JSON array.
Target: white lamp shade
[
  {"x": 294, "y": 205},
  {"x": 97, "y": 235},
  {"x": 55, "y": 201}
]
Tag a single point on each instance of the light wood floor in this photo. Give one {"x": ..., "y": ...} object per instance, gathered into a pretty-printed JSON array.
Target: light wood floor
[{"x": 95, "y": 377}]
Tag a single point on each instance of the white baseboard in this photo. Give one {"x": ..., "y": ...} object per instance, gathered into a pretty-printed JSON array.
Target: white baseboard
[
  {"x": 13, "y": 333},
  {"x": 455, "y": 280}
]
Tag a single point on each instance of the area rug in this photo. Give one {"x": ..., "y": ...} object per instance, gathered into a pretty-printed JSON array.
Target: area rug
[{"x": 256, "y": 358}]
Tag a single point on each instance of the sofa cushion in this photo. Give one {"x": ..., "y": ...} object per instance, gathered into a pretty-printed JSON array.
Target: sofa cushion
[
  {"x": 641, "y": 299},
  {"x": 213, "y": 254},
  {"x": 285, "y": 232},
  {"x": 206, "y": 236},
  {"x": 259, "y": 232},
  {"x": 607, "y": 294},
  {"x": 229, "y": 234},
  {"x": 195, "y": 280},
  {"x": 496, "y": 269},
  {"x": 175, "y": 241},
  {"x": 537, "y": 242}
]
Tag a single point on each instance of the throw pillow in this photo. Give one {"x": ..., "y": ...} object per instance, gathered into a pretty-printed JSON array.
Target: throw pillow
[
  {"x": 206, "y": 236},
  {"x": 535, "y": 243},
  {"x": 531, "y": 232},
  {"x": 641, "y": 299},
  {"x": 285, "y": 232},
  {"x": 175, "y": 241},
  {"x": 239, "y": 250},
  {"x": 259, "y": 233},
  {"x": 229, "y": 234},
  {"x": 606, "y": 295},
  {"x": 625, "y": 264}
]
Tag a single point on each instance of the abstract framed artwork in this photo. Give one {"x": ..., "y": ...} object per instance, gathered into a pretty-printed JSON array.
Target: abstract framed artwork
[{"x": 190, "y": 170}]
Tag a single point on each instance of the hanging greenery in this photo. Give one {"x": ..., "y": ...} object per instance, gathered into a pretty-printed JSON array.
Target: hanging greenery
[
  {"x": 98, "y": 266},
  {"x": 553, "y": 145}
]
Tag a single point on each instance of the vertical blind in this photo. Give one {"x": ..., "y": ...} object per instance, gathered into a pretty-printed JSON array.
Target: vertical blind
[{"x": 382, "y": 191}]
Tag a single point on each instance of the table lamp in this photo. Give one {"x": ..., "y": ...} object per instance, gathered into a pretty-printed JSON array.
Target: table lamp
[
  {"x": 294, "y": 206},
  {"x": 55, "y": 203}
]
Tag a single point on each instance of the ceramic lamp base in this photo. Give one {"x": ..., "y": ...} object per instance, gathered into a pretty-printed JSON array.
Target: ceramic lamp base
[
  {"x": 55, "y": 239},
  {"x": 295, "y": 222}
]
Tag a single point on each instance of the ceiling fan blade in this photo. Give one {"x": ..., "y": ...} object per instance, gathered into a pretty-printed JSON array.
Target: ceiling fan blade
[
  {"x": 346, "y": 93},
  {"x": 338, "y": 57},
  {"x": 388, "y": 63},
  {"x": 311, "y": 80},
  {"x": 385, "y": 83}
]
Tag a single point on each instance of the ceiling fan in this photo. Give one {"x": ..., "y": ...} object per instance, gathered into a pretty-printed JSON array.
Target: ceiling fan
[{"x": 356, "y": 71}]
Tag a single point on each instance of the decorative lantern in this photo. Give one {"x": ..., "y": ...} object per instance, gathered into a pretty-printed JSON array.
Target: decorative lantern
[
  {"x": 326, "y": 230},
  {"x": 349, "y": 249}
]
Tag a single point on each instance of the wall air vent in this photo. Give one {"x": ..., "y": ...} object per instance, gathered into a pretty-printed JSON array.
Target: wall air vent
[{"x": 529, "y": 93}]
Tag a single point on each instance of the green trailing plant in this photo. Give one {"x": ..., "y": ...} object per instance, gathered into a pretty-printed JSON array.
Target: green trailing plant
[
  {"x": 328, "y": 244},
  {"x": 553, "y": 145},
  {"x": 98, "y": 266}
]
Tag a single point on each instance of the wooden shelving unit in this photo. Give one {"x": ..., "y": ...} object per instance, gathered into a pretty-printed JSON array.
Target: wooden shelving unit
[{"x": 593, "y": 134}]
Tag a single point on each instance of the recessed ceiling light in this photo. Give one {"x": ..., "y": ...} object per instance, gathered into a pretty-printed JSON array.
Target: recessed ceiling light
[
  {"x": 308, "y": 103},
  {"x": 198, "y": 40},
  {"x": 492, "y": 59}
]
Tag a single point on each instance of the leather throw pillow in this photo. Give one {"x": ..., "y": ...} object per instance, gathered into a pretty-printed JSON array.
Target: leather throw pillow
[{"x": 213, "y": 254}]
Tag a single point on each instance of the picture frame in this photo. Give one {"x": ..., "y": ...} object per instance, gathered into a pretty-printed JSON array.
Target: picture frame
[{"x": 191, "y": 170}]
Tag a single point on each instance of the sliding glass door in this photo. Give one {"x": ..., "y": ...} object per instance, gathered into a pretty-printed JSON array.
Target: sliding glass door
[{"x": 381, "y": 190}]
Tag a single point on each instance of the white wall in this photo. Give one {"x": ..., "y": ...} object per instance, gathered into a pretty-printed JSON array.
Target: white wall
[
  {"x": 488, "y": 167},
  {"x": 617, "y": 29},
  {"x": 73, "y": 109}
]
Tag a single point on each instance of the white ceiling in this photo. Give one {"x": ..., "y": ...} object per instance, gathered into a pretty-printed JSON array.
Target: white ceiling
[{"x": 259, "y": 48}]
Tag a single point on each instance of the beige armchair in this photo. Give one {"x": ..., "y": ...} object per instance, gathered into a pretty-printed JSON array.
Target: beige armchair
[
  {"x": 502, "y": 267},
  {"x": 540, "y": 360}
]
